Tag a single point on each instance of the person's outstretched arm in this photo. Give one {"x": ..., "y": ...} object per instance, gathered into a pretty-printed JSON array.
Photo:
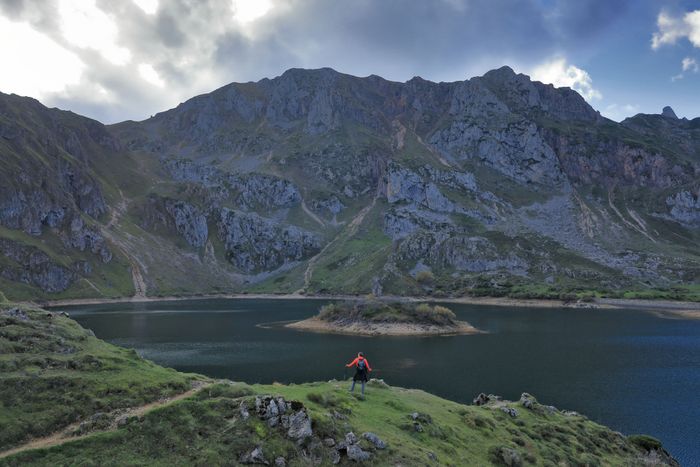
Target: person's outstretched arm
[
  {"x": 352, "y": 362},
  {"x": 369, "y": 368}
]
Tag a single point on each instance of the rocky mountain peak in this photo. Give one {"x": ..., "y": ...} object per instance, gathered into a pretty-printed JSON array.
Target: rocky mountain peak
[
  {"x": 503, "y": 73},
  {"x": 669, "y": 113}
]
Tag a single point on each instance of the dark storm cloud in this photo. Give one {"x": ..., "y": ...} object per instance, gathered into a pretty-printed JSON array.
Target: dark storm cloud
[
  {"x": 196, "y": 46},
  {"x": 399, "y": 39}
]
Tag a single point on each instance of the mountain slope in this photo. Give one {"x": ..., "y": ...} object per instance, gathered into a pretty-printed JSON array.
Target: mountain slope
[{"x": 322, "y": 182}]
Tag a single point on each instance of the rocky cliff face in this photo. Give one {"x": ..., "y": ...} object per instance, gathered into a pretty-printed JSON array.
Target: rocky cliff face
[
  {"x": 31, "y": 266},
  {"x": 495, "y": 180},
  {"x": 685, "y": 207},
  {"x": 50, "y": 190},
  {"x": 255, "y": 244}
]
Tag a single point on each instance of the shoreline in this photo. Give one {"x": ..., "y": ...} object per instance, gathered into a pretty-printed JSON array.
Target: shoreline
[
  {"x": 666, "y": 308},
  {"x": 370, "y": 329}
]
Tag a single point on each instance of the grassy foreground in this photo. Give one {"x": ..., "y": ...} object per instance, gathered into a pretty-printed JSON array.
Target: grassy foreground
[{"x": 54, "y": 372}]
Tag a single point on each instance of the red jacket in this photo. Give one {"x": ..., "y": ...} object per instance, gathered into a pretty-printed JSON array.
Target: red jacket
[{"x": 354, "y": 362}]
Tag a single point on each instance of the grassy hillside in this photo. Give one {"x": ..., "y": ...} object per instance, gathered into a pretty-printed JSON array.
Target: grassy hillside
[{"x": 54, "y": 373}]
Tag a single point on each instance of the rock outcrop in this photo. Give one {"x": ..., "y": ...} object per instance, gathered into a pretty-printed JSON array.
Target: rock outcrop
[
  {"x": 685, "y": 207},
  {"x": 189, "y": 221},
  {"x": 30, "y": 265},
  {"x": 254, "y": 243}
]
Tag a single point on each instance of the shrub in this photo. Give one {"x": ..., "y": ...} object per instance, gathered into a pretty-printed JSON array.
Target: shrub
[
  {"x": 425, "y": 277},
  {"x": 645, "y": 442},
  {"x": 378, "y": 311}
]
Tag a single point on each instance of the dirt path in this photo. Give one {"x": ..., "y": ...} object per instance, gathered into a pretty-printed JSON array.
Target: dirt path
[
  {"x": 350, "y": 230},
  {"x": 434, "y": 152},
  {"x": 311, "y": 213},
  {"x": 66, "y": 435},
  {"x": 137, "y": 267},
  {"x": 641, "y": 228}
]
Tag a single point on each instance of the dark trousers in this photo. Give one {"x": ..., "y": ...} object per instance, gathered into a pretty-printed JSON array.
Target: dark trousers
[{"x": 352, "y": 388}]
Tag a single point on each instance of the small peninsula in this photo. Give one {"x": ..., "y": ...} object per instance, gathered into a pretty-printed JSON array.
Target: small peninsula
[{"x": 380, "y": 318}]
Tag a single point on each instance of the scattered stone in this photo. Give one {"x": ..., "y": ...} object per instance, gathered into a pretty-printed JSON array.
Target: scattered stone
[
  {"x": 122, "y": 421},
  {"x": 374, "y": 439},
  {"x": 299, "y": 425},
  {"x": 274, "y": 411},
  {"x": 255, "y": 456},
  {"x": 356, "y": 453},
  {"x": 418, "y": 427},
  {"x": 432, "y": 456},
  {"x": 335, "y": 457},
  {"x": 422, "y": 418},
  {"x": 281, "y": 462},
  {"x": 507, "y": 456},
  {"x": 510, "y": 411},
  {"x": 378, "y": 383},
  {"x": 329, "y": 442},
  {"x": 17, "y": 313},
  {"x": 65, "y": 315},
  {"x": 281, "y": 405},
  {"x": 481, "y": 399},
  {"x": 527, "y": 401},
  {"x": 338, "y": 416},
  {"x": 243, "y": 410},
  {"x": 350, "y": 438}
]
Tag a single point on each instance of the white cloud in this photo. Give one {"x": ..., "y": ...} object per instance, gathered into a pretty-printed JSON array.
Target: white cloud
[
  {"x": 150, "y": 7},
  {"x": 690, "y": 64},
  {"x": 149, "y": 74},
  {"x": 246, "y": 11},
  {"x": 27, "y": 67},
  {"x": 84, "y": 25},
  {"x": 618, "y": 112},
  {"x": 671, "y": 29},
  {"x": 559, "y": 73}
]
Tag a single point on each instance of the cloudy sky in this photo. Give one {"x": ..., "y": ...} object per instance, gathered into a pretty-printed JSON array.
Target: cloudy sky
[{"x": 127, "y": 59}]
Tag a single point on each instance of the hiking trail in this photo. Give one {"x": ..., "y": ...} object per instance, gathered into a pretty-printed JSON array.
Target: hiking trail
[{"x": 66, "y": 435}]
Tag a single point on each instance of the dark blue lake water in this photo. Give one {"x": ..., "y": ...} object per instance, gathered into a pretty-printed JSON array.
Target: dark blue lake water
[{"x": 630, "y": 370}]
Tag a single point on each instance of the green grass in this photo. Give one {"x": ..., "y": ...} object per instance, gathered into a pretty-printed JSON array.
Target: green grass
[
  {"x": 376, "y": 311},
  {"x": 348, "y": 265},
  {"x": 53, "y": 373},
  {"x": 207, "y": 430}
]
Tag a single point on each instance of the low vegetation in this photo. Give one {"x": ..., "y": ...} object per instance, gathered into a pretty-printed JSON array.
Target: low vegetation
[
  {"x": 54, "y": 373},
  {"x": 376, "y": 311}
]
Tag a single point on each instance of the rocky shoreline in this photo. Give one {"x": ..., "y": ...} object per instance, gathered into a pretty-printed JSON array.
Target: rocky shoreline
[
  {"x": 373, "y": 329},
  {"x": 667, "y": 308}
]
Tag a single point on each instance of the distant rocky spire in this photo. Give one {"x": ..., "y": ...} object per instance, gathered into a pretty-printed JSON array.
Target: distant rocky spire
[{"x": 669, "y": 113}]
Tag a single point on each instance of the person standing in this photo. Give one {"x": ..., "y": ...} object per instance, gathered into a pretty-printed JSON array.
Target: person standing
[{"x": 362, "y": 368}]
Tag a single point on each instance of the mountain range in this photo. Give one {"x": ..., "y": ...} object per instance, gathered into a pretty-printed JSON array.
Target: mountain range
[{"x": 320, "y": 182}]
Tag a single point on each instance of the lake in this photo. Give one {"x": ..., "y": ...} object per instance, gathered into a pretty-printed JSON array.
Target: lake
[{"x": 630, "y": 370}]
